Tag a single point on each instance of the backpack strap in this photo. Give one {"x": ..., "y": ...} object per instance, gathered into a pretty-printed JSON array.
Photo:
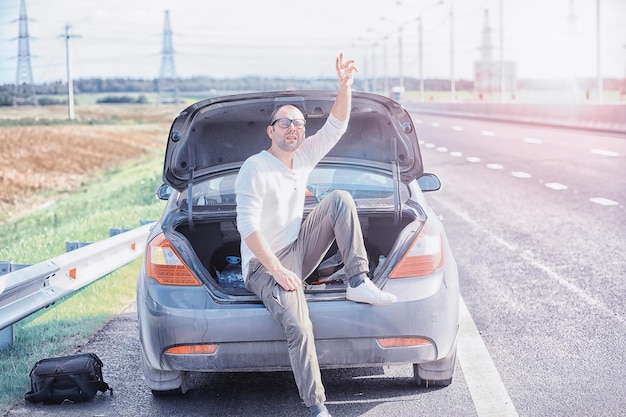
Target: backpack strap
[
  {"x": 43, "y": 394},
  {"x": 91, "y": 388}
]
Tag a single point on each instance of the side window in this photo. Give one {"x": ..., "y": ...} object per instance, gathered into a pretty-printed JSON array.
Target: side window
[
  {"x": 362, "y": 184},
  {"x": 215, "y": 192},
  {"x": 227, "y": 189}
]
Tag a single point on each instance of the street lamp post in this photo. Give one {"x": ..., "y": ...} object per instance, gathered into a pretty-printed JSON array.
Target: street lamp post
[
  {"x": 452, "y": 76},
  {"x": 386, "y": 68},
  {"x": 598, "y": 58},
  {"x": 380, "y": 39},
  {"x": 502, "y": 88},
  {"x": 421, "y": 61},
  {"x": 420, "y": 43},
  {"x": 421, "y": 65},
  {"x": 400, "y": 63}
]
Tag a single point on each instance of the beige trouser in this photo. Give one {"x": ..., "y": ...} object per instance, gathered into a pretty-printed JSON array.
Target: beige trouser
[{"x": 335, "y": 217}]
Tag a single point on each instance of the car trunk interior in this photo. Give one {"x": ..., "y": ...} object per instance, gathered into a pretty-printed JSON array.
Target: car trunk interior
[{"x": 379, "y": 232}]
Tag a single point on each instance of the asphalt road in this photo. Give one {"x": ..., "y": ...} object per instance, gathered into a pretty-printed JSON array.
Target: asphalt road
[{"x": 536, "y": 217}]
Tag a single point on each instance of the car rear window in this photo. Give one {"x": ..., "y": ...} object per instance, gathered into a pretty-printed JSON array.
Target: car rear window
[{"x": 367, "y": 187}]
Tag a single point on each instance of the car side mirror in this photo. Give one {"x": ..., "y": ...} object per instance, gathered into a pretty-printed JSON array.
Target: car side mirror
[
  {"x": 164, "y": 192},
  {"x": 429, "y": 182}
]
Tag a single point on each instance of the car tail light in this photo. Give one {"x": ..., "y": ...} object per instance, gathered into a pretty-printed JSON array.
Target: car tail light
[
  {"x": 192, "y": 349},
  {"x": 423, "y": 257},
  {"x": 164, "y": 265},
  {"x": 392, "y": 342}
]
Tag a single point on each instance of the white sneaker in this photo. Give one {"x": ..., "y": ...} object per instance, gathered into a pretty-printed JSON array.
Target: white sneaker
[{"x": 369, "y": 293}]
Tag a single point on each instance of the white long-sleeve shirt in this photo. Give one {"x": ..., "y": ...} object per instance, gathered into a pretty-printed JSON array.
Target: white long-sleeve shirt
[{"x": 270, "y": 195}]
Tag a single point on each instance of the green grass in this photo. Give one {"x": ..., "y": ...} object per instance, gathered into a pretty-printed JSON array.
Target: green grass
[{"x": 118, "y": 197}]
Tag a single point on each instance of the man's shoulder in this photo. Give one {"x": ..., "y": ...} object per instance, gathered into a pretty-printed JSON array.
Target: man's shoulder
[
  {"x": 256, "y": 162},
  {"x": 257, "y": 158}
]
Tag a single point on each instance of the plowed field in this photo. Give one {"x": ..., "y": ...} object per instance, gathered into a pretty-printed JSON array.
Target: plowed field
[{"x": 60, "y": 157}]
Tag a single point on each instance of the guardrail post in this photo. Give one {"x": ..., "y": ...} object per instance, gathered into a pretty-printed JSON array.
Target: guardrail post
[
  {"x": 71, "y": 245},
  {"x": 7, "y": 337},
  {"x": 5, "y": 267},
  {"x": 113, "y": 231}
]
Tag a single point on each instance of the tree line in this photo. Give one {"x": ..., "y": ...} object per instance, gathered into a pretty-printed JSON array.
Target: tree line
[{"x": 54, "y": 93}]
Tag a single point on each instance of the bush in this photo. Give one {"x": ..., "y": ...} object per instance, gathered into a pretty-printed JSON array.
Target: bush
[
  {"x": 48, "y": 101},
  {"x": 123, "y": 100}
]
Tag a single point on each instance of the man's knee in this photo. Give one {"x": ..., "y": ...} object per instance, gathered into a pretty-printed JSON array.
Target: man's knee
[{"x": 341, "y": 198}]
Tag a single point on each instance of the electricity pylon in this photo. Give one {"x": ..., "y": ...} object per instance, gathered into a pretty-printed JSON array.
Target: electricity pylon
[
  {"x": 24, "y": 93},
  {"x": 167, "y": 84}
]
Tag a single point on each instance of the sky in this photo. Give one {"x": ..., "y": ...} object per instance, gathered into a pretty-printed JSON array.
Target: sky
[{"x": 298, "y": 38}]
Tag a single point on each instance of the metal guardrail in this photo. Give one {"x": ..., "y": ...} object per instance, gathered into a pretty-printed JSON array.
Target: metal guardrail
[
  {"x": 601, "y": 117},
  {"x": 29, "y": 289}
]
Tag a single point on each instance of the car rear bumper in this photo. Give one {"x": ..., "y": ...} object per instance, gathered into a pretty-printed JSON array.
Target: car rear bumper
[
  {"x": 248, "y": 339},
  {"x": 273, "y": 356}
]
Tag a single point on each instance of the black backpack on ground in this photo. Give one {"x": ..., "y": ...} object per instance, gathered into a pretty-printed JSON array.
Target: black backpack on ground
[{"x": 75, "y": 378}]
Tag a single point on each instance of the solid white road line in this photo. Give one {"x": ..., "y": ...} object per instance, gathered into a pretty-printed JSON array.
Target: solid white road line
[{"x": 490, "y": 397}]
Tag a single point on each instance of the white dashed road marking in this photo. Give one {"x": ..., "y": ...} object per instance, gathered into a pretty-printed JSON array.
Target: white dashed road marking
[
  {"x": 556, "y": 186},
  {"x": 520, "y": 174},
  {"x": 533, "y": 141},
  {"x": 604, "y": 153},
  {"x": 603, "y": 201}
]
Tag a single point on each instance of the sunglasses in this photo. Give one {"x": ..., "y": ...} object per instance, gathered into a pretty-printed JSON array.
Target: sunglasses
[{"x": 285, "y": 123}]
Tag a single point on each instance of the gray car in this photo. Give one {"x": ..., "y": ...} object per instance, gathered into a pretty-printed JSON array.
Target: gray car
[{"x": 195, "y": 314}]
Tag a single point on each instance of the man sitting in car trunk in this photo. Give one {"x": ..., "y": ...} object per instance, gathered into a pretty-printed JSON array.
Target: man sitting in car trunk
[{"x": 279, "y": 250}]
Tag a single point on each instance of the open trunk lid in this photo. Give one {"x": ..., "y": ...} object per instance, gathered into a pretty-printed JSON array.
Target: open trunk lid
[{"x": 220, "y": 133}]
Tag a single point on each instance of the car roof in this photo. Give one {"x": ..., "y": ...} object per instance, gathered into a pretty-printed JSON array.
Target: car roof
[{"x": 220, "y": 133}]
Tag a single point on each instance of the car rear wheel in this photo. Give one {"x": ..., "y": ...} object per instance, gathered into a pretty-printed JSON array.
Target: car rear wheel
[
  {"x": 437, "y": 373},
  {"x": 164, "y": 383},
  {"x": 168, "y": 393},
  {"x": 429, "y": 383}
]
